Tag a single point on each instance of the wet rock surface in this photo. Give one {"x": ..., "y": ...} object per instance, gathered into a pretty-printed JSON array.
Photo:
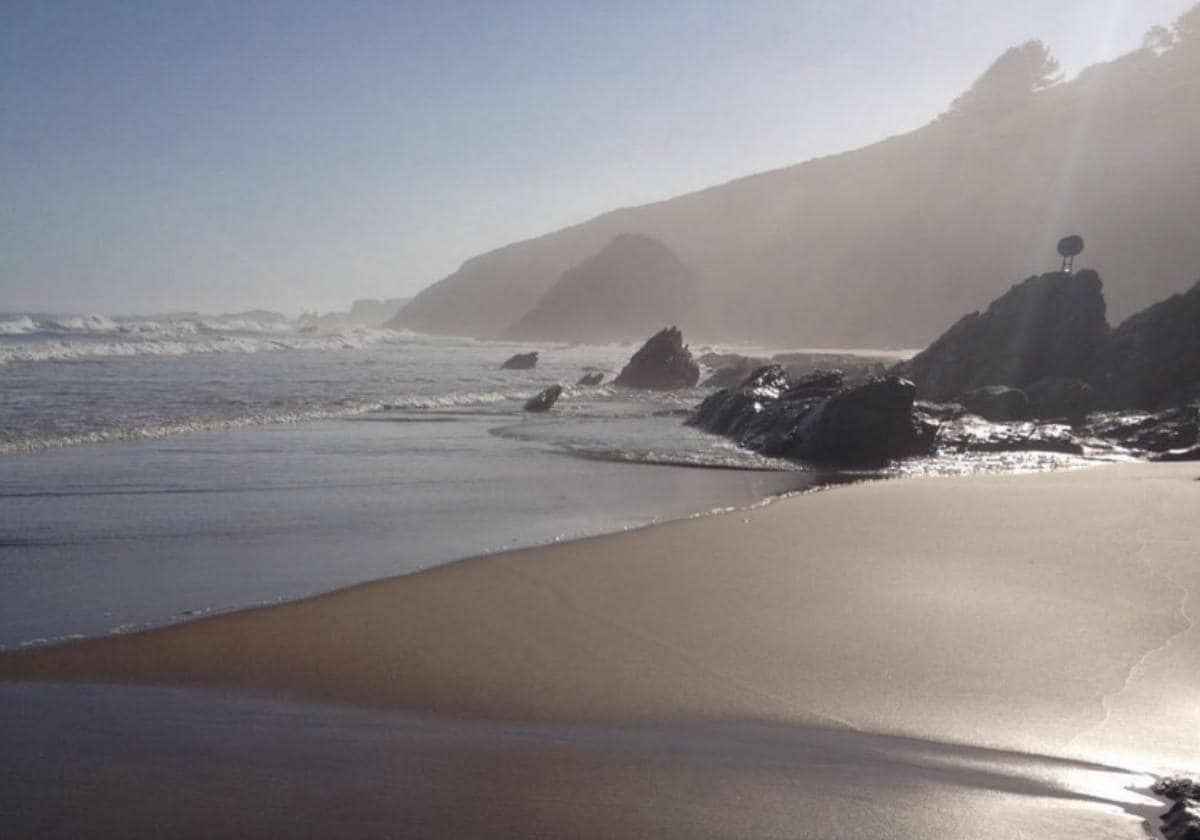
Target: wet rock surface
[
  {"x": 521, "y": 361},
  {"x": 663, "y": 363},
  {"x": 819, "y": 418},
  {"x": 544, "y": 400},
  {"x": 1182, "y": 819},
  {"x": 816, "y": 418}
]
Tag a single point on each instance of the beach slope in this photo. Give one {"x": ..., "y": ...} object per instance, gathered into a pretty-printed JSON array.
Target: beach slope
[{"x": 1043, "y": 612}]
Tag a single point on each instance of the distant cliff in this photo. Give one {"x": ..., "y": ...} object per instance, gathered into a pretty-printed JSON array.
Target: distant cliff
[
  {"x": 627, "y": 290},
  {"x": 885, "y": 245}
]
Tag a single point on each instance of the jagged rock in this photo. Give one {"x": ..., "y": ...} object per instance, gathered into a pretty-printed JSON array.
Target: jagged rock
[
  {"x": 996, "y": 402},
  {"x": 662, "y": 364},
  {"x": 1152, "y": 360},
  {"x": 544, "y": 400},
  {"x": 1176, "y": 788},
  {"x": 868, "y": 424},
  {"x": 589, "y": 380},
  {"x": 1052, "y": 325},
  {"x": 968, "y": 433},
  {"x": 815, "y": 418},
  {"x": 521, "y": 361},
  {"x": 1175, "y": 428},
  {"x": 1060, "y": 397}
]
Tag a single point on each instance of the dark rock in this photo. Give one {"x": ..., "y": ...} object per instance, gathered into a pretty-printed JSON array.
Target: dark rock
[
  {"x": 544, "y": 400},
  {"x": 1175, "y": 428},
  {"x": 741, "y": 413},
  {"x": 968, "y": 433},
  {"x": 662, "y": 364},
  {"x": 1192, "y": 453},
  {"x": 996, "y": 402},
  {"x": 1152, "y": 360},
  {"x": 1060, "y": 397},
  {"x": 1176, "y": 788},
  {"x": 589, "y": 380},
  {"x": 1052, "y": 325},
  {"x": 521, "y": 361},
  {"x": 816, "y": 419},
  {"x": 868, "y": 424}
]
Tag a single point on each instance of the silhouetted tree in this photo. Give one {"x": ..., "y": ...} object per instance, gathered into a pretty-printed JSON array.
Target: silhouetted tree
[{"x": 1012, "y": 78}]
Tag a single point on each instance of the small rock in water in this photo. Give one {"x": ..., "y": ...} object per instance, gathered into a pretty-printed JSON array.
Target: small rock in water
[
  {"x": 544, "y": 400},
  {"x": 589, "y": 380},
  {"x": 521, "y": 361}
]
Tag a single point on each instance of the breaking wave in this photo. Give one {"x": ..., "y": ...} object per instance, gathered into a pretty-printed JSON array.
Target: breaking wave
[{"x": 29, "y": 338}]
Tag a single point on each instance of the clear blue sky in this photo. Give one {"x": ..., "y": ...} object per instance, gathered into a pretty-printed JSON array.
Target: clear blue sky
[{"x": 195, "y": 154}]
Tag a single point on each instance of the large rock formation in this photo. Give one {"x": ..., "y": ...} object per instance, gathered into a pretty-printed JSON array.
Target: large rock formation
[
  {"x": 1047, "y": 326},
  {"x": 816, "y": 419},
  {"x": 886, "y": 245},
  {"x": 1152, "y": 360},
  {"x": 662, "y": 364},
  {"x": 623, "y": 292}
]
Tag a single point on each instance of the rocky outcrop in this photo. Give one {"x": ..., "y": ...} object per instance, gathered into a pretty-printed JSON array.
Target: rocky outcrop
[
  {"x": 1152, "y": 360},
  {"x": 966, "y": 433},
  {"x": 590, "y": 380},
  {"x": 544, "y": 400},
  {"x": 663, "y": 363},
  {"x": 1174, "y": 428},
  {"x": 1182, "y": 820},
  {"x": 1048, "y": 326},
  {"x": 1060, "y": 397},
  {"x": 624, "y": 291},
  {"x": 521, "y": 361},
  {"x": 996, "y": 402},
  {"x": 816, "y": 419}
]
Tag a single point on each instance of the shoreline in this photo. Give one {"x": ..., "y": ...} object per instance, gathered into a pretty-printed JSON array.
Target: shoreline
[
  {"x": 935, "y": 654},
  {"x": 628, "y": 627}
]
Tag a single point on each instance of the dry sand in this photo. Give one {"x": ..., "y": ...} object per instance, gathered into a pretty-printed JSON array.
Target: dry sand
[{"x": 1044, "y": 613}]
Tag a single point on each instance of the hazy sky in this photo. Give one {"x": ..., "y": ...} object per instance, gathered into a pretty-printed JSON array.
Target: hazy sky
[{"x": 194, "y": 154}]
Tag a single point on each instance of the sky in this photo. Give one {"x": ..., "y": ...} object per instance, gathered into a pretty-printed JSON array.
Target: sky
[{"x": 217, "y": 156}]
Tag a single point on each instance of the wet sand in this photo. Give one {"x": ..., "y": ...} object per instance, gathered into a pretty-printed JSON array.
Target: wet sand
[{"x": 1042, "y": 615}]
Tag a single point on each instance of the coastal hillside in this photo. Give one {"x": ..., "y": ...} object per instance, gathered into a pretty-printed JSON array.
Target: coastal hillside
[
  {"x": 634, "y": 285},
  {"x": 884, "y": 245}
]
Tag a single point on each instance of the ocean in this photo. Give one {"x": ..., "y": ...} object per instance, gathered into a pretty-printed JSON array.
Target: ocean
[{"x": 156, "y": 469}]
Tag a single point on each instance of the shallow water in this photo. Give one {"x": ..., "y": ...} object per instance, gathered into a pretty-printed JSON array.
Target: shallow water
[{"x": 144, "y": 487}]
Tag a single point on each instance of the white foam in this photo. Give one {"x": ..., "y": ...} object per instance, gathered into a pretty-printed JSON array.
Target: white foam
[{"x": 19, "y": 326}]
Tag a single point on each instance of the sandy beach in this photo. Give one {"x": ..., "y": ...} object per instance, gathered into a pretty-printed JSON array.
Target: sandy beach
[
  {"x": 1044, "y": 617},
  {"x": 1022, "y": 611}
]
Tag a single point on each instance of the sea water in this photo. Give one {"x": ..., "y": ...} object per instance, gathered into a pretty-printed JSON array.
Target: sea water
[{"x": 153, "y": 469}]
